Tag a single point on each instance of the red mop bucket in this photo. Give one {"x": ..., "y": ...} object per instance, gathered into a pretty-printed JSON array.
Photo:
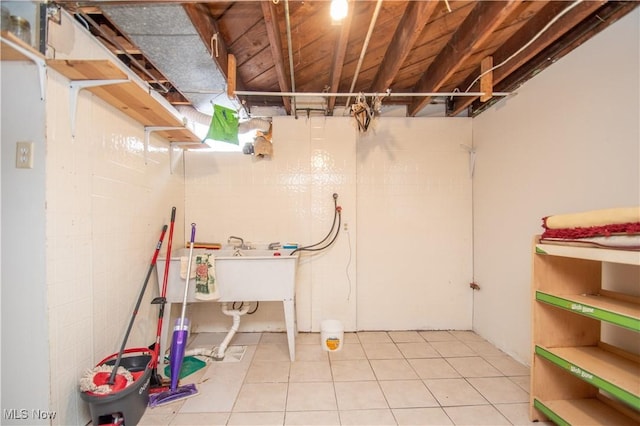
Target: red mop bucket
[{"x": 128, "y": 404}]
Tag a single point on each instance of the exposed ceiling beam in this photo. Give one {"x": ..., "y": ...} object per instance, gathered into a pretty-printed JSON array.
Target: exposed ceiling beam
[
  {"x": 532, "y": 27},
  {"x": 275, "y": 42},
  {"x": 608, "y": 14},
  {"x": 485, "y": 17},
  {"x": 338, "y": 60},
  {"x": 415, "y": 17}
]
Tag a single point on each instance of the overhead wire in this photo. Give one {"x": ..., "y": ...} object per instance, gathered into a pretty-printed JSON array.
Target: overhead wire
[{"x": 535, "y": 37}]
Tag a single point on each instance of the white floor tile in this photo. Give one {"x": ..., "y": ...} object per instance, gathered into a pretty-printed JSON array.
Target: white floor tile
[
  {"x": 261, "y": 397},
  {"x": 499, "y": 389},
  {"x": 452, "y": 392},
  {"x": 256, "y": 419},
  {"x": 476, "y": 416},
  {"x": 359, "y": 395},
  {"x": 311, "y": 396},
  {"x": 407, "y": 394},
  {"x": 421, "y": 416},
  {"x": 312, "y": 418},
  {"x": 378, "y": 378},
  {"x": 392, "y": 369},
  {"x": 367, "y": 417}
]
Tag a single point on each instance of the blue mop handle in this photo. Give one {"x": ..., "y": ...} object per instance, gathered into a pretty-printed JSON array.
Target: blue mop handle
[{"x": 186, "y": 287}]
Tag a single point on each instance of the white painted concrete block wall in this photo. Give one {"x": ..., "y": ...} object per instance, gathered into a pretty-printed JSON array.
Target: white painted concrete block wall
[
  {"x": 406, "y": 196},
  {"x": 568, "y": 142},
  {"x": 107, "y": 201}
]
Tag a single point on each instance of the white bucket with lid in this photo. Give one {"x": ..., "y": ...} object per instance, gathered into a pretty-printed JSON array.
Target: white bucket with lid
[{"x": 331, "y": 335}]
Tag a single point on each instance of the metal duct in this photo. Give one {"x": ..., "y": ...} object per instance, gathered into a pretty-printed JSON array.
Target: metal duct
[{"x": 169, "y": 40}]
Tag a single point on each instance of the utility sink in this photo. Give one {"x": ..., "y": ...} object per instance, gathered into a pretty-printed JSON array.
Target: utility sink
[{"x": 242, "y": 276}]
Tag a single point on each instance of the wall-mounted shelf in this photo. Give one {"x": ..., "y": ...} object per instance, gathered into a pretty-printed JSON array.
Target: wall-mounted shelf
[
  {"x": 132, "y": 99},
  {"x": 14, "y": 49},
  {"x": 575, "y": 377}
]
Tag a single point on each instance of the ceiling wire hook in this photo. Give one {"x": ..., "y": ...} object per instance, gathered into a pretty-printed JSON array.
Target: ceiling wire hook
[{"x": 214, "y": 38}]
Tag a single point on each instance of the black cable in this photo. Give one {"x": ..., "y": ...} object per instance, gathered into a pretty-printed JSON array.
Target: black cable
[
  {"x": 254, "y": 311},
  {"x": 336, "y": 214},
  {"x": 307, "y": 248}
]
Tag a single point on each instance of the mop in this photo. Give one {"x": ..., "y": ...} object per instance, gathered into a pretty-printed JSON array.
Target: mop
[
  {"x": 178, "y": 346},
  {"x": 107, "y": 379},
  {"x": 157, "y": 383}
]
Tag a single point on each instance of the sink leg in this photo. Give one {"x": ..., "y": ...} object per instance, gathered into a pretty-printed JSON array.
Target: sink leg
[{"x": 290, "y": 321}]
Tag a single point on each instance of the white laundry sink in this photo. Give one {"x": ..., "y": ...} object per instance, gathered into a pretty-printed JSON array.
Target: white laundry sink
[{"x": 242, "y": 276}]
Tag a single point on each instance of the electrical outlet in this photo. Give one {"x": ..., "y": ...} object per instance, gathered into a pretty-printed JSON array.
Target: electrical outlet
[
  {"x": 345, "y": 226},
  {"x": 24, "y": 155}
]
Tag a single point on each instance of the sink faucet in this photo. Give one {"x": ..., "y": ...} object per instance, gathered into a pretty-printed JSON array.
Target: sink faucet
[{"x": 242, "y": 245}]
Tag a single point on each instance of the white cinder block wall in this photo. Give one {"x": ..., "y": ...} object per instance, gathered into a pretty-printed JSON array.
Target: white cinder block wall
[
  {"x": 105, "y": 207},
  {"x": 106, "y": 204},
  {"x": 405, "y": 190},
  {"x": 568, "y": 142}
]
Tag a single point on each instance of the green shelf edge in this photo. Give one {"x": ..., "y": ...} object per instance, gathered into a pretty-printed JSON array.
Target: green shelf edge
[
  {"x": 621, "y": 320},
  {"x": 550, "y": 413},
  {"x": 540, "y": 251},
  {"x": 589, "y": 377}
]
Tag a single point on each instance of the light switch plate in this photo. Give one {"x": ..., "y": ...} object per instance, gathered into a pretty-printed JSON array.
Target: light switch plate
[{"x": 24, "y": 155}]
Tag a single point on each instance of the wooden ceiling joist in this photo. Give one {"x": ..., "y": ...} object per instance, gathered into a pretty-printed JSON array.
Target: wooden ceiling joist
[
  {"x": 337, "y": 64},
  {"x": 273, "y": 33},
  {"x": 408, "y": 31},
  {"x": 523, "y": 36},
  {"x": 471, "y": 35}
]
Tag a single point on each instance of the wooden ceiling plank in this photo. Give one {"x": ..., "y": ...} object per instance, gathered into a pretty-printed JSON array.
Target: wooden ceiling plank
[
  {"x": 474, "y": 31},
  {"x": 273, "y": 33},
  {"x": 522, "y": 36},
  {"x": 415, "y": 17}
]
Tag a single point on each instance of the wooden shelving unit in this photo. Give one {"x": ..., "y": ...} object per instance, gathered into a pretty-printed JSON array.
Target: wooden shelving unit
[
  {"x": 575, "y": 378},
  {"x": 128, "y": 96},
  {"x": 8, "y": 51},
  {"x": 14, "y": 49},
  {"x": 111, "y": 85}
]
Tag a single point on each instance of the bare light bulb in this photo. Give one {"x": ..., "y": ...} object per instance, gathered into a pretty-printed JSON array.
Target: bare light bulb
[{"x": 339, "y": 9}]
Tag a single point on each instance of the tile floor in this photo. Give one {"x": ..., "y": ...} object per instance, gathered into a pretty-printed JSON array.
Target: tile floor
[{"x": 378, "y": 378}]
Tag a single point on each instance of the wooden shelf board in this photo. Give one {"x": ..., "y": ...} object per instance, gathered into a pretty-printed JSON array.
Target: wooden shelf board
[
  {"x": 129, "y": 97},
  {"x": 613, "y": 310},
  {"x": 8, "y": 53},
  {"x": 75, "y": 69},
  {"x": 590, "y": 253},
  {"x": 588, "y": 411},
  {"x": 610, "y": 372}
]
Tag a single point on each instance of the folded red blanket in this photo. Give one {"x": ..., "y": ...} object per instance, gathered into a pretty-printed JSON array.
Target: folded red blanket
[{"x": 591, "y": 231}]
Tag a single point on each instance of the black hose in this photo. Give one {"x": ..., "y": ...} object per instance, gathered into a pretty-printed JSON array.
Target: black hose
[{"x": 337, "y": 214}]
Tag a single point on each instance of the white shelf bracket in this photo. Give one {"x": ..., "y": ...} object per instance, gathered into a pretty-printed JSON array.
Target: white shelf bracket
[
  {"x": 76, "y": 86},
  {"x": 147, "y": 134},
  {"x": 40, "y": 63}
]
